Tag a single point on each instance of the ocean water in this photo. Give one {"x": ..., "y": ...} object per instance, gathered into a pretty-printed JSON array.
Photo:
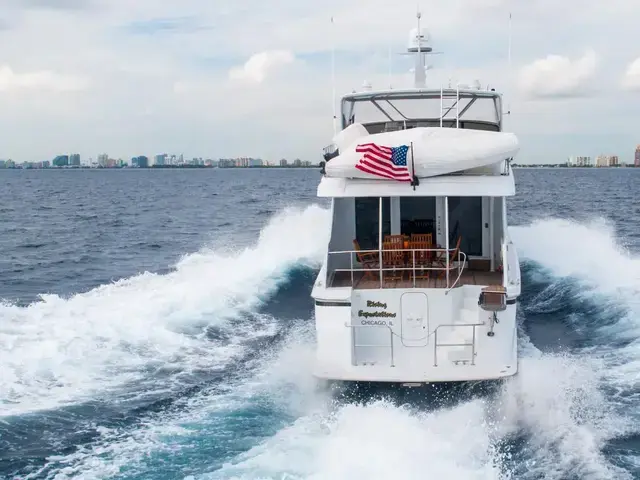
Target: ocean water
[{"x": 158, "y": 325}]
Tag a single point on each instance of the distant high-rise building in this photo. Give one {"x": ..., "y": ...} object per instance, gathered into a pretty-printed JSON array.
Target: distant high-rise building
[
  {"x": 579, "y": 162},
  {"x": 61, "y": 161},
  {"x": 602, "y": 161},
  {"x": 637, "y": 160},
  {"x": 141, "y": 162},
  {"x": 614, "y": 161},
  {"x": 103, "y": 160},
  {"x": 74, "y": 159},
  {"x": 160, "y": 159}
]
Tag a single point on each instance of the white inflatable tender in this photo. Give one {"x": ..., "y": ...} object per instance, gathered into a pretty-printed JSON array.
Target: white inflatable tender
[{"x": 436, "y": 151}]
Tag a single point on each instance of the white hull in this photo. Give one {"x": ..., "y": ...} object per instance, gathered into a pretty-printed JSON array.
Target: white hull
[{"x": 418, "y": 345}]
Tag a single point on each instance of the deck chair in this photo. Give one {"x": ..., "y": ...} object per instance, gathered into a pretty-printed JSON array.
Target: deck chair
[
  {"x": 369, "y": 261},
  {"x": 420, "y": 242},
  {"x": 396, "y": 240},
  {"x": 393, "y": 257}
]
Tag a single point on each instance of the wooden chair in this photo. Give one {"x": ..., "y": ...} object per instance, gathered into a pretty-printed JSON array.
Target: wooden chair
[
  {"x": 369, "y": 260},
  {"x": 420, "y": 242},
  {"x": 423, "y": 238},
  {"x": 397, "y": 241},
  {"x": 393, "y": 257}
]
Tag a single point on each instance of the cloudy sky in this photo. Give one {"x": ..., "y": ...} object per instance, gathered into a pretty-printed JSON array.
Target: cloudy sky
[{"x": 246, "y": 77}]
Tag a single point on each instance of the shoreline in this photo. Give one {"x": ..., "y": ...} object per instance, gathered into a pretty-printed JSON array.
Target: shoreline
[{"x": 167, "y": 167}]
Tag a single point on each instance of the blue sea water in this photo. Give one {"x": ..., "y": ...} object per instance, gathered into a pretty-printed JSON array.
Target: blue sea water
[{"x": 156, "y": 324}]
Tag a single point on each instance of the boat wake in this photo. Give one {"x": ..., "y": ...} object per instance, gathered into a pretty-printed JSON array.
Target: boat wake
[
  {"x": 567, "y": 414},
  {"x": 66, "y": 350}
]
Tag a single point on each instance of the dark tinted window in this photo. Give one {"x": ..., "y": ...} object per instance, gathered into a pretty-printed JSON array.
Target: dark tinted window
[
  {"x": 417, "y": 215},
  {"x": 465, "y": 219},
  {"x": 367, "y": 221}
]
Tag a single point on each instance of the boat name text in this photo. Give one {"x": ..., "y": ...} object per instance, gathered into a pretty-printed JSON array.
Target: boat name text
[
  {"x": 375, "y": 318},
  {"x": 372, "y": 304},
  {"x": 362, "y": 313}
]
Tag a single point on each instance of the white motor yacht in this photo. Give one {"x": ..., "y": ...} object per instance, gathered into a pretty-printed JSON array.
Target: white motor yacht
[{"x": 420, "y": 279}]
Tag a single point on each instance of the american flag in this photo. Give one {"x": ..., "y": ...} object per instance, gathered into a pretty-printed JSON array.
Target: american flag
[{"x": 386, "y": 162}]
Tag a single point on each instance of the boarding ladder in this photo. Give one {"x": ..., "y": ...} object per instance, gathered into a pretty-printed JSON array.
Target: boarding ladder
[{"x": 448, "y": 102}]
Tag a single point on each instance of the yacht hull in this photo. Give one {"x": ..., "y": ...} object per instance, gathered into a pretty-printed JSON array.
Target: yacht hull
[{"x": 417, "y": 336}]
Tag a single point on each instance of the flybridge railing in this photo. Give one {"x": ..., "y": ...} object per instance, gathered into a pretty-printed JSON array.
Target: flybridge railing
[{"x": 443, "y": 265}]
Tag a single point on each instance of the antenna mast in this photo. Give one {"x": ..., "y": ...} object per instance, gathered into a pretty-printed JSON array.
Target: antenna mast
[
  {"x": 420, "y": 50},
  {"x": 420, "y": 74},
  {"x": 389, "y": 66},
  {"x": 509, "y": 70},
  {"x": 333, "y": 79}
]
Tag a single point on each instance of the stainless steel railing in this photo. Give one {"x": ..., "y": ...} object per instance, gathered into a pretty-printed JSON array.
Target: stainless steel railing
[
  {"x": 355, "y": 345},
  {"x": 456, "y": 325},
  {"x": 458, "y": 265}
]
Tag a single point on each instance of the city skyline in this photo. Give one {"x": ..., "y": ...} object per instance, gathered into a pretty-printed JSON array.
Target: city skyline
[
  {"x": 603, "y": 159},
  {"x": 165, "y": 159},
  {"x": 151, "y": 77},
  {"x": 103, "y": 160}
]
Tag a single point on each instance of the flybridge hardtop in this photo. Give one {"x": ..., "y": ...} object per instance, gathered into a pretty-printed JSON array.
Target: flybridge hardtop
[{"x": 431, "y": 151}]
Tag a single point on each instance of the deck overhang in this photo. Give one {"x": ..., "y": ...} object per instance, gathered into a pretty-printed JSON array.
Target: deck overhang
[{"x": 446, "y": 185}]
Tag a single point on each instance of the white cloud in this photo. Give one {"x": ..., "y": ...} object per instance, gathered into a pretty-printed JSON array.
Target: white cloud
[
  {"x": 39, "y": 80},
  {"x": 256, "y": 69},
  {"x": 557, "y": 76},
  {"x": 631, "y": 79}
]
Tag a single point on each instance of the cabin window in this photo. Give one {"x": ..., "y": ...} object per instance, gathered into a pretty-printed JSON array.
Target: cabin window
[
  {"x": 367, "y": 216},
  {"x": 465, "y": 219},
  {"x": 417, "y": 215}
]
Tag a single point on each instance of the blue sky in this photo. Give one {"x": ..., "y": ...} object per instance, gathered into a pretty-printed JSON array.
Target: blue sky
[{"x": 235, "y": 78}]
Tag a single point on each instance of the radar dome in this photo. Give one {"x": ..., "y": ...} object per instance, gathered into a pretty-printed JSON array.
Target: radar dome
[{"x": 424, "y": 40}]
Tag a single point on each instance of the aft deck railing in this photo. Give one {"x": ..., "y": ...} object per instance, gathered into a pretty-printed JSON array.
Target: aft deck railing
[{"x": 457, "y": 266}]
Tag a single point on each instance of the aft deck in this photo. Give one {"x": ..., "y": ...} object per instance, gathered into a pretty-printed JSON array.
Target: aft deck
[{"x": 468, "y": 277}]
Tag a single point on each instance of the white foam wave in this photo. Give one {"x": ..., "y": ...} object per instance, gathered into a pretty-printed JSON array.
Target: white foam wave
[
  {"x": 280, "y": 376},
  {"x": 590, "y": 252},
  {"x": 607, "y": 273},
  {"x": 554, "y": 403},
  {"x": 376, "y": 441},
  {"x": 61, "y": 350}
]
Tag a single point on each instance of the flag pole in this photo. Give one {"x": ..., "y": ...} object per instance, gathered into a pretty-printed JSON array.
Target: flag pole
[{"x": 414, "y": 181}]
